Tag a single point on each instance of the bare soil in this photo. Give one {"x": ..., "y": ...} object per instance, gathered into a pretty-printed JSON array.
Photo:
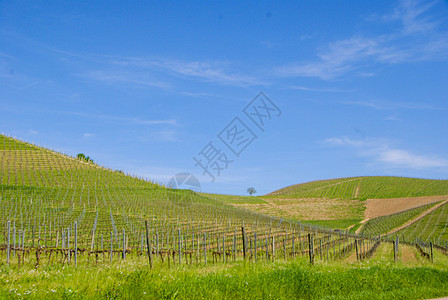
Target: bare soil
[
  {"x": 408, "y": 254},
  {"x": 309, "y": 208}
]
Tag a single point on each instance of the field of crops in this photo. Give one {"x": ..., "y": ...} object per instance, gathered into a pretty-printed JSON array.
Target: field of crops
[
  {"x": 378, "y": 187},
  {"x": 384, "y": 224},
  {"x": 71, "y": 216},
  {"x": 58, "y": 209},
  {"x": 433, "y": 227}
]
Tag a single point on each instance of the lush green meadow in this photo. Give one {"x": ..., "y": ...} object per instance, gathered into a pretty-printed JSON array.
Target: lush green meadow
[{"x": 377, "y": 278}]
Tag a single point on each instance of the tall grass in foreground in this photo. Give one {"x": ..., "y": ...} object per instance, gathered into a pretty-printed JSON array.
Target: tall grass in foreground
[{"x": 280, "y": 280}]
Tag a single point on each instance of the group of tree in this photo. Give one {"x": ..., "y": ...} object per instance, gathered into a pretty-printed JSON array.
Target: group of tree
[{"x": 81, "y": 156}]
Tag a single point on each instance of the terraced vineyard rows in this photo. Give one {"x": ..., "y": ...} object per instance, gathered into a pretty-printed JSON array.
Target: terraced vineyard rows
[
  {"x": 382, "y": 225},
  {"x": 51, "y": 203},
  {"x": 54, "y": 206},
  {"x": 365, "y": 188},
  {"x": 431, "y": 227}
]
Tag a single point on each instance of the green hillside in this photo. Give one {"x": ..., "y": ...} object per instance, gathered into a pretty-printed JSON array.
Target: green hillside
[
  {"x": 365, "y": 188},
  {"x": 44, "y": 193},
  {"x": 433, "y": 226},
  {"x": 384, "y": 224}
]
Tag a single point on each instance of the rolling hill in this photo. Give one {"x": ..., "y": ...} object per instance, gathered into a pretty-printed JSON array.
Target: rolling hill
[
  {"x": 346, "y": 203},
  {"x": 371, "y": 187}
]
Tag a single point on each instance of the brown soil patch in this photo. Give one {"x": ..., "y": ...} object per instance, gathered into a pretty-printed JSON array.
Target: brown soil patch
[
  {"x": 408, "y": 255},
  {"x": 308, "y": 208},
  {"x": 351, "y": 258},
  {"x": 383, "y": 207}
]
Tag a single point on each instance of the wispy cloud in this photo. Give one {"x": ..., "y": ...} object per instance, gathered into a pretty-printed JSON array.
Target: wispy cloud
[
  {"x": 126, "y": 120},
  {"x": 88, "y": 135},
  {"x": 325, "y": 90},
  {"x": 125, "y": 76},
  {"x": 211, "y": 71},
  {"x": 411, "y": 14},
  {"x": 382, "y": 105},
  {"x": 381, "y": 152},
  {"x": 29, "y": 85},
  {"x": 417, "y": 39}
]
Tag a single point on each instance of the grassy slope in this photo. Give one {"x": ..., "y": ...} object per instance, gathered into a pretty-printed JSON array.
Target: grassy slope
[
  {"x": 434, "y": 226},
  {"x": 384, "y": 224},
  {"x": 39, "y": 187},
  {"x": 365, "y": 188},
  {"x": 339, "y": 203},
  {"x": 378, "y": 278}
]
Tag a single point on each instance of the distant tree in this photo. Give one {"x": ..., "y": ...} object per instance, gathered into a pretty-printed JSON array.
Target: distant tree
[
  {"x": 251, "y": 191},
  {"x": 81, "y": 156}
]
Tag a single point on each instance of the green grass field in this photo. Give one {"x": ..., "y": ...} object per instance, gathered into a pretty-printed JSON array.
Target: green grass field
[{"x": 377, "y": 278}]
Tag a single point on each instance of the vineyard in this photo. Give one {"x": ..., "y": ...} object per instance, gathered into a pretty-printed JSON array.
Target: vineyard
[
  {"x": 365, "y": 188},
  {"x": 60, "y": 211},
  {"x": 431, "y": 227},
  {"x": 384, "y": 224}
]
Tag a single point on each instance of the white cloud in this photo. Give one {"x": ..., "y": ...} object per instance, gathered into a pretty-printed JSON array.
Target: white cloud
[
  {"x": 126, "y": 76},
  {"x": 417, "y": 39},
  {"x": 407, "y": 159},
  {"x": 381, "y": 152},
  {"x": 411, "y": 14},
  {"x": 88, "y": 135},
  {"x": 327, "y": 90},
  {"x": 391, "y": 105},
  {"x": 126, "y": 120}
]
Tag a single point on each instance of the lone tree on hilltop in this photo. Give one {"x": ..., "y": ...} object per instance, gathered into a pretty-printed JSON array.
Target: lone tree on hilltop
[{"x": 251, "y": 191}]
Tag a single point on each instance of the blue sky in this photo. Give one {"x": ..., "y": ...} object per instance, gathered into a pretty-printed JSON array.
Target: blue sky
[{"x": 146, "y": 86}]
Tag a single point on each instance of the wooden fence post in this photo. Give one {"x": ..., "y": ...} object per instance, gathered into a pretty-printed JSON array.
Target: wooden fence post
[
  {"x": 311, "y": 248},
  {"x": 148, "y": 244},
  {"x": 395, "y": 250},
  {"x": 180, "y": 246},
  {"x": 8, "y": 250},
  {"x": 124, "y": 244},
  {"x": 357, "y": 250},
  {"x": 205, "y": 248},
  {"x": 111, "y": 245},
  {"x": 76, "y": 244},
  {"x": 243, "y": 232},
  {"x": 255, "y": 244},
  {"x": 431, "y": 253}
]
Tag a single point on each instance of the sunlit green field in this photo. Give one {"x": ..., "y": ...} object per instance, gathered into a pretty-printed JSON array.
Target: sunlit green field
[{"x": 378, "y": 278}]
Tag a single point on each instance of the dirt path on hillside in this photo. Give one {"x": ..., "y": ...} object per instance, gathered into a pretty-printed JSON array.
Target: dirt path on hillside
[
  {"x": 363, "y": 222},
  {"x": 423, "y": 214}
]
